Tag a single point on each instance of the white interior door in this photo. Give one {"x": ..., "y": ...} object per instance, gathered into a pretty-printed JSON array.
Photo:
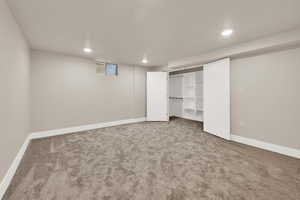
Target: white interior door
[
  {"x": 157, "y": 96},
  {"x": 216, "y": 98}
]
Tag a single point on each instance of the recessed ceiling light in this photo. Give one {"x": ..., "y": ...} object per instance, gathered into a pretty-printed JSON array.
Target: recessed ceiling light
[
  {"x": 87, "y": 50},
  {"x": 227, "y": 32},
  {"x": 145, "y": 61}
]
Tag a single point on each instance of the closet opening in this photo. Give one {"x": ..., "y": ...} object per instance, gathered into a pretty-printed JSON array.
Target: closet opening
[
  {"x": 186, "y": 94},
  {"x": 199, "y": 93}
]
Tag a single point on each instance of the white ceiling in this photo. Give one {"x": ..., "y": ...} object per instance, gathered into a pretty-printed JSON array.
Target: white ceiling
[{"x": 163, "y": 30}]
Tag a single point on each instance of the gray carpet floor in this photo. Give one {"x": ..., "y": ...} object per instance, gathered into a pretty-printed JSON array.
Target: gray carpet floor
[{"x": 152, "y": 160}]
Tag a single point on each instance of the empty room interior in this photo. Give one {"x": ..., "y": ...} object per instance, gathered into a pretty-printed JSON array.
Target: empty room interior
[{"x": 149, "y": 100}]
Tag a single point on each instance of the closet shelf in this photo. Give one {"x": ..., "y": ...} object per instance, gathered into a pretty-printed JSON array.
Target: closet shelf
[
  {"x": 189, "y": 97},
  {"x": 193, "y": 86},
  {"x": 189, "y": 109},
  {"x": 175, "y": 97},
  {"x": 195, "y": 109},
  {"x": 192, "y": 97}
]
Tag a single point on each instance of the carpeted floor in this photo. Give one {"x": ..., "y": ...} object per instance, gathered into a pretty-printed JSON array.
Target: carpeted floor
[{"x": 152, "y": 160}]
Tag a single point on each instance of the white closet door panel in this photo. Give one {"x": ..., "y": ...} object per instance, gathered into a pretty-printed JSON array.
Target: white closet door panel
[
  {"x": 216, "y": 98},
  {"x": 157, "y": 96}
]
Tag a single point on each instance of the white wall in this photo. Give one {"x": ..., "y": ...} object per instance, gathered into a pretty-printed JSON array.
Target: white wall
[
  {"x": 66, "y": 91},
  {"x": 14, "y": 88},
  {"x": 265, "y": 97}
]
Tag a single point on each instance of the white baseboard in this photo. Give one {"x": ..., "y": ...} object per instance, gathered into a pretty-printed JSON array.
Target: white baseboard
[
  {"x": 43, "y": 134},
  {"x": 14, "y": 166},
  {"x": 267, "y": 146}
]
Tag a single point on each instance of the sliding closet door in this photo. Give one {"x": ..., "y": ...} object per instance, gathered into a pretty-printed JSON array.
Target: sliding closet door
[
  {"x": 157, "y": 96},
  {"x": 216, "y": 98}
]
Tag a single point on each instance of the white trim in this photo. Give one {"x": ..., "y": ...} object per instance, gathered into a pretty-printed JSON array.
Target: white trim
[
  {"x": 15, "y": 164},
  {"x": 13, "y": 168},
  {"x": 43, "y": 134},
  {"x": 267, "y": 146}
]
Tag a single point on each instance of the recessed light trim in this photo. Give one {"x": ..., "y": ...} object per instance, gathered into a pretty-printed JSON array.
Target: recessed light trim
[
  {"x": 227, "y": 32},
  {"x": 87, "y": 50},
  {"x": 145, "y": 61}
]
